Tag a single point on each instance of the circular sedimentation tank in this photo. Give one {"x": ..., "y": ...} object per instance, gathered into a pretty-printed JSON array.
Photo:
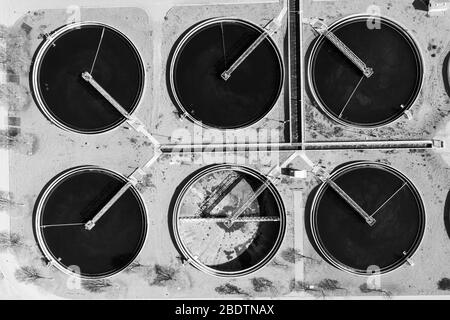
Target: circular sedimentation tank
[
  {"x": 341, "y": 90},
  {"x": 206, "y": 51},
  {"x": 71, "y": 199},
  {"x": 202, "y": 208},
  {"x": 69, "y": 101},
  {"x": 346, "y": 240}
]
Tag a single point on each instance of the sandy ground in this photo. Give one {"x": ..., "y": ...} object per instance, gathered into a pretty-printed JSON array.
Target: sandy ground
[{"x": 297, "y": 271}]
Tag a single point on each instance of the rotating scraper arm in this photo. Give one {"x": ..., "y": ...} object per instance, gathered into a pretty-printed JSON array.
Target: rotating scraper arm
[
  {"x": 133, "y": 180},
  {"x": 272, "y": 175},
  {"x": 323, "y": 176},
  {"x": 132, "y": 120},
  {"x": 321, "y": 28},
  {"x": 269, "y": 30},
  {"x": 137, "y": 175}
]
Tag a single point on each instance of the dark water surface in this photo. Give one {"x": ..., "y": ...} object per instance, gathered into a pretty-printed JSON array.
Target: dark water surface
[
  {"x": 251, "y": 91},
  {"x": 349, "y": 240},
  {"x": 117, "y": 237},
  {"x": 396, "y": 80},
  {"x": 71, "y": 100}
]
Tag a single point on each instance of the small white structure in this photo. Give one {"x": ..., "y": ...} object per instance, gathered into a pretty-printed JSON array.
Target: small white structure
[
  {"x": 294, "y": 173},
  {"x": 438, "y": 7}
]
